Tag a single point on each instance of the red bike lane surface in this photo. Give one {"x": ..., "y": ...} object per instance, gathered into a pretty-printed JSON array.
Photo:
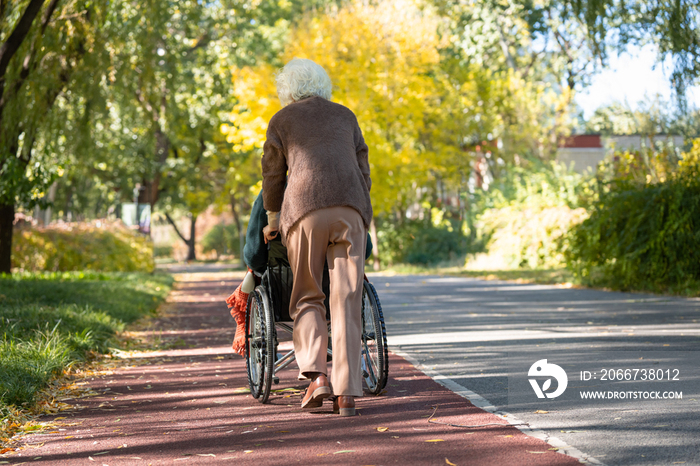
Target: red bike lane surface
[{"x": 193, "y": 406}]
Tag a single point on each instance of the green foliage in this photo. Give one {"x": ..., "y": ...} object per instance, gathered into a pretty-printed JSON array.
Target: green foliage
[
  {"x": 642, "y": 237},
  {"x": 523, "y": 219},
  {"x": 56, "y": 54},
  {"x": 51, "y": 320},
  {"x": 652, "y": 116},
  {"x": 433, "y": 245},
  {"x": 64, "y": 247},
  {"x": 534, "y": 183},
  {"x": 674, "y": 27},
  {"x": 420, "y": 242},
  {"x": 529, "y": 237},
  {"x": 162, "y": 251},
  {"x": 26, "y": 367},
  {"x": 221, "y": 238}
]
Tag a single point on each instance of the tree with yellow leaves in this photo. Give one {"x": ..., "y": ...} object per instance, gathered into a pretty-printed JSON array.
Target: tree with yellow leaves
[{"x": 423, "y": 114}]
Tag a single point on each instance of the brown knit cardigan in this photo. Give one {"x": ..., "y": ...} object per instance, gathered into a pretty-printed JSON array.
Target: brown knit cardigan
[{"x": 319, "y": 145}]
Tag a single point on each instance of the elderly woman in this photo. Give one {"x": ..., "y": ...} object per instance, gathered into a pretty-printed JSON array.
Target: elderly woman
[{"x": 316, "y": 193}]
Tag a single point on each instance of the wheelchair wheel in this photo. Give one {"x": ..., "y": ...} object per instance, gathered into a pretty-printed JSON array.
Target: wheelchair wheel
[
  {"x": 375, "y": 352},
  {"x": 259, "y": 345}
]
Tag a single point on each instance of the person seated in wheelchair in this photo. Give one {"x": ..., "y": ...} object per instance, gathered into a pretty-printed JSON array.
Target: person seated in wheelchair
[{"x": 257, "y": 255}]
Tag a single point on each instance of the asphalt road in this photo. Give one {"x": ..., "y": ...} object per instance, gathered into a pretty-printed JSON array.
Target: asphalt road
[{"x": 480, "y": 337}]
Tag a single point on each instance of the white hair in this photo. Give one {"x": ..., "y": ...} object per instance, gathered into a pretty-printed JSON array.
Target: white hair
[{"x": 302, "y": 78}]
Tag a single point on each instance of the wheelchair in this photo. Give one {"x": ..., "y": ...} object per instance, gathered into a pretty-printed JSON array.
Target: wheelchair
[{"x": 268, "y": 310}]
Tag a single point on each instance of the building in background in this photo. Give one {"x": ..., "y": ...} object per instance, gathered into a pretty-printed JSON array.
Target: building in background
[{"x": 585, "y": 151}]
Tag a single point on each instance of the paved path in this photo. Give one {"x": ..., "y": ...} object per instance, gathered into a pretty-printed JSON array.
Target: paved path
[
  {"x": 474, "y": 335},
  {"x": 190, "y": 405}
]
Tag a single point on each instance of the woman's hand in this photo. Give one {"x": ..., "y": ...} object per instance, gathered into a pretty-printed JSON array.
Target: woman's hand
[
  {"x": 273, "y": 225},
  {"x": 269, "y": 234}
]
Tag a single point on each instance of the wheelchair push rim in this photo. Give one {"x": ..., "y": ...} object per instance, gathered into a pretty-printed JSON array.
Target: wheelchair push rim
[{"x": 375, "y": 353}]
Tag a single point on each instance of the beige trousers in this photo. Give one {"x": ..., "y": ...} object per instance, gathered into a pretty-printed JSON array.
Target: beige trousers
[{"x": 336, "y": 235}]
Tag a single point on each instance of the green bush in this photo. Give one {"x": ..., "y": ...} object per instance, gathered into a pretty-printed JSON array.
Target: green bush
[
  {"x": 433, "y": 245},
  {"x": 221, "y": 238},
  {"x": 51, "y": 320},
  {"x": 420, "y": 242},
  {"x": 523, "y": 218},
  {"x": 528, "y": 237},
  {"x": 642, "y": 237},
  {"x": 162, "y": 251},
  {"x": 534, "y": 184},
  {"x": 97, "y": 246}
]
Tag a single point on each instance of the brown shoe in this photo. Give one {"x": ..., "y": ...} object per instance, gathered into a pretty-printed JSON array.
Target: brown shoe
[
  {"x": 345, "y": 405},
  {"x": 315, "y": 394}
]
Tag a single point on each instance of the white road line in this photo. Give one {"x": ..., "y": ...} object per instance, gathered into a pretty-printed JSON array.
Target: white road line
[{"x": 481, "y": 402}]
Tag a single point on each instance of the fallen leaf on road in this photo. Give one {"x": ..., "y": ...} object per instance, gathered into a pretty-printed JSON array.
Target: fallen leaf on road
[
  {"x": 101, "y": 453},
  {"x": 435, "y": 440},
  {"x": 344, "y": 451},
  {"x": 206, "y": 454},
  {"x": 248, "y": 451},
  {"x": 90, "y": 458},
  {"x": 554, "y": 449},
  {"x": 135, "y": 457},
  {"x": 382, "y": 429},
  {"x": 449, "y": 462},
  {"x": 537, "y": 452},
  {"x": 70, "y": 436},
  {"x": 507, "y": 436},
  {"x": 395, "y": 436},
  {"x": 540, "y": 411}
]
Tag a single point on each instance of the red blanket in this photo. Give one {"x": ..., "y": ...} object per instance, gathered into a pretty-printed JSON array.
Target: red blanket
[{"x": 237, "y": 302}]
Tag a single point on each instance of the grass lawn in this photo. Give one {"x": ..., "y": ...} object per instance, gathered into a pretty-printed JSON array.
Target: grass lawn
[{"x": 49, "y": 321}]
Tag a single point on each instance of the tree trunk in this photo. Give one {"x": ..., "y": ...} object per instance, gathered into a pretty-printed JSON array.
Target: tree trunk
[
  {"x": 7, "y": 218},
  {"x": 151, "y": 188},
  {"x": 239, "y": 227},
  {"x": 191, "y": 255},
  {"x": 375, "y": 251}
]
